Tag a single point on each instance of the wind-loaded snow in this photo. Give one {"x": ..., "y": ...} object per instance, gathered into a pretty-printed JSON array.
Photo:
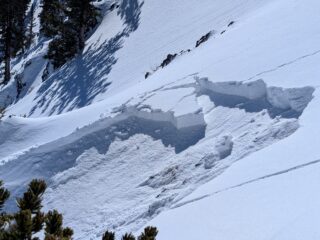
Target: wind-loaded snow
[
  {"x": 221, "y": 142},
  {"x": 151, "y": 158}
]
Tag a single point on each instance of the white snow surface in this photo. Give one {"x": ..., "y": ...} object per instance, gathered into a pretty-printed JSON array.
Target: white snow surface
[{"x": 220, "y": 144}]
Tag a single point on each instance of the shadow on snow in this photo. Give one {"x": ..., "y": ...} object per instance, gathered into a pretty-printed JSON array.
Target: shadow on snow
[{"x": 78, "y": 82}]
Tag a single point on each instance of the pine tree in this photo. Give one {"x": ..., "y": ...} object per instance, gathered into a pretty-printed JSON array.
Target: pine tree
[
  {"x": 30, "y": 32},
  {"x": 19, "y": 30},
  {"x": 51, "y": 17},
  {"x": 128, "y": 236},
  {"x": 108, "y": 236},
  {"x": 12, "y": 32},
  {"x": 63, "y": 47},
  {"x": 82, "y": 15},
  {"x": 149, "y": 233},
  {"x": 67, "y": 233},
  {"x": 54, "y": 223},
  {"x": 4, "y": 195},
  {"x": 54, "y": 229},
  {"x": 23, "y": 225},
  {"x": 32, "y": 198},
  {"x": 29, "y": 220},
  {"x": 38, "y": 222},
  {"x": 6, "y": 31}
]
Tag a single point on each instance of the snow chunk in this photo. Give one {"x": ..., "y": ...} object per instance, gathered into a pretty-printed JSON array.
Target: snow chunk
[
  {"x": 256, "y": 96},
  {"x": 296, "y": 99}
]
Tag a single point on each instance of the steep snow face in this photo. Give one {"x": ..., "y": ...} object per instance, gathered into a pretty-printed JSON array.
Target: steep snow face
[
  {"x": 117, "y": 149},
  {"x": 138, "y": 178},
  {"x": 271, "y": 193},
  {"x": 144, "y": 157}
]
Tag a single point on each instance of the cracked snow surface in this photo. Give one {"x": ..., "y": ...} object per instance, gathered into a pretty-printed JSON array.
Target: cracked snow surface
[{"x": 155, "y": 149}]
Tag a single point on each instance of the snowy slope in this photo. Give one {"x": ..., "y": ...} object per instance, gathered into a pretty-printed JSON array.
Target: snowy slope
[{"x": 222, "y": 143}]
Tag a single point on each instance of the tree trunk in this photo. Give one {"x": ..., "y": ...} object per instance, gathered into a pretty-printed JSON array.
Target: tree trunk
[
  {"x": 7, "y": 54},
  {"x": 30, "y": 30},
  {"x": 82, "y": 30},
  {"x": 82, "y": 38}
]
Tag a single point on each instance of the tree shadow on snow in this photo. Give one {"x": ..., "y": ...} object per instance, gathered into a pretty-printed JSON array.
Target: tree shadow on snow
[
  {"x": 78, "y": 82},
  {"x": 130, "y": 11}
]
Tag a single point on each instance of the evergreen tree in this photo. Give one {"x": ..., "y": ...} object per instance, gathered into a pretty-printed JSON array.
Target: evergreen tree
[
  {"x": 63, "y": 47},
  {"x": 67, "y": 233},
  {"x": 23, "y": 225},
  {"x": 128, "y": 236},
  {"x": 32, "y": 198},
  {"x": 6, "y": 32},
  {"x": 12, "y": 32},
  {"x": 30, "y": 32},
  {"x": 37, "y": 222},
  {"x": 149, "y": 233},
  {"x": 29, "y": 220},
  {"x": 82, "y": 16},
  {"x": 4, "y": 195},
  {"x": 19, "y": 29},
  {"x": 54, "y": 223},
  {"x": 54, "y": 229},
  {"x": 108, "y": 236},
  {"x": 51, "y": 17}
]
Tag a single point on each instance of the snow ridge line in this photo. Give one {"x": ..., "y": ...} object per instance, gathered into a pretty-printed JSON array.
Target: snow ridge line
[{"x": 295, "y": 168}]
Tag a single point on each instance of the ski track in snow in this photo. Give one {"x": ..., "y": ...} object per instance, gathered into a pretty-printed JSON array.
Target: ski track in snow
[
  {"x": 295, "y": 168},
  {"x": 286, "y": 64}
]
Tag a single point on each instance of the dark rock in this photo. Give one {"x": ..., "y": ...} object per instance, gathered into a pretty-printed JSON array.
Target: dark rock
[
  {"x": 203, "y": 39},
  {"x": 112, "y": 7},
  {"x": 147, "y": 75},
  {"x": 46, "y": 72},
  {"x": 168, "y": 60},
  {"x": 20, "y": 85},
  {"x": 231, "y": 23}
]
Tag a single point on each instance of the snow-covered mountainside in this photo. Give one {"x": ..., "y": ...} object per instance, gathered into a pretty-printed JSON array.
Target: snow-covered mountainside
[{"x": 221, "y": 143}]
